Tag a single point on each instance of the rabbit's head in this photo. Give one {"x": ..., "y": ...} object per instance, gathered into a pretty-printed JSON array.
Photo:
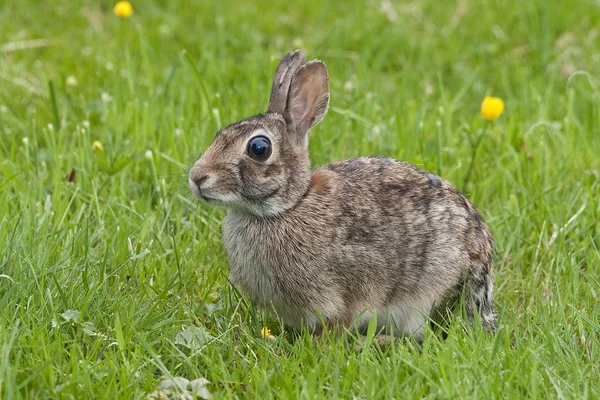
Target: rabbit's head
[{"x": 260, "y": 165}]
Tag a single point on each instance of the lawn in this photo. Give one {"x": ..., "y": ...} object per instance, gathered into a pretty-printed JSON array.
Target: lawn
[{"x": 113, "y": 277}]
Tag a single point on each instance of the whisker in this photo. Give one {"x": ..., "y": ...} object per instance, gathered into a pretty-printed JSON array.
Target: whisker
[
  {"x": 171, "y": 174},
  {"x": 173, "y": 161}
]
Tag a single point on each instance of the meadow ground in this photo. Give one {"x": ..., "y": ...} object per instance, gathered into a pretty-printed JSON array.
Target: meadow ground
[{"x": 112, "y": 276}]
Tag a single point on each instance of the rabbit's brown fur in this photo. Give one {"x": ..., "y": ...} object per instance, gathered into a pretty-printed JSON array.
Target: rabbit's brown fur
[{"x": 352, "y": 238}]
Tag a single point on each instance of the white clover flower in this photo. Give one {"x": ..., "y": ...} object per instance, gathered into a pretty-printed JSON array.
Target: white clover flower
[
  {"x": 72, "y": 81},
  {"x": 106, "y": 97}
]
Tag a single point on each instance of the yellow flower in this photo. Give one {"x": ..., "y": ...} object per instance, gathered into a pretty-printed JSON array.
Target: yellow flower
[
  {"x": 123, "y": 9},
  {"x": 491, "y": 108},
  {"x": 266, "y": 333},
  {"x": 97, "y": 146}
]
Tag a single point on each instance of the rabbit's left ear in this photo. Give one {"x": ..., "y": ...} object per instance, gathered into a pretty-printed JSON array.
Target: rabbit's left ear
[
  {"x": 308, "y": 97},
  {"x": 288, "y": 66}
]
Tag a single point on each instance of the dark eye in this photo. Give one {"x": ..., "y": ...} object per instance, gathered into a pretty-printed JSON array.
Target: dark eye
[{"x": 259, "y": 148}]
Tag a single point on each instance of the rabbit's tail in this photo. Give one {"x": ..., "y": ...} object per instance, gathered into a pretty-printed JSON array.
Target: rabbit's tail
[{"x": 479, "y": 291}]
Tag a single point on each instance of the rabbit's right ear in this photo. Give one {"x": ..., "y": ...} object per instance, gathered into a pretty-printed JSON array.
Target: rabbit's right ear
[
  {"x": 308, "y": 97},
  {"x": 287, "y": 68}
]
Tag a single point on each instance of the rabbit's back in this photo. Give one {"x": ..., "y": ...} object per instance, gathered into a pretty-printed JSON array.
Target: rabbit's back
[{"x": 371, "y": 234}]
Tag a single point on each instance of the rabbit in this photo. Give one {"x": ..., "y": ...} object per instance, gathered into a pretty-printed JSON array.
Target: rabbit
[{"x": 369, "y": 237}]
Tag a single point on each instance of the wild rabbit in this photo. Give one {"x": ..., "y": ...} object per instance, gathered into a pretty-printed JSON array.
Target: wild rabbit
[{"x": 335, "y": 245}]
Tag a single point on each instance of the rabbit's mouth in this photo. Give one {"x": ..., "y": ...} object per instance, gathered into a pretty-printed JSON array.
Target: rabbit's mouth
[
  {"x": 217, "y": 199},
  {"x": 203, "y": 189},
  {"x": 208, "y": 197},
  {"x": 204, "y": 198}
]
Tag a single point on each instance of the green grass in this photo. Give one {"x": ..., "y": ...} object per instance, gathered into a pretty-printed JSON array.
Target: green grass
[{"x": 127, "y": 247}]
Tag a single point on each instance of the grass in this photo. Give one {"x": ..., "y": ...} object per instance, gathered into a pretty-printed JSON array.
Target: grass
[{"x": 105, "y": 280}]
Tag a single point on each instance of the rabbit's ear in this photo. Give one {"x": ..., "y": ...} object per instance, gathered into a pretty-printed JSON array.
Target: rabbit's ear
[
  {"x": 308, "y": 97},
  {"x": 288, "y": 66}
]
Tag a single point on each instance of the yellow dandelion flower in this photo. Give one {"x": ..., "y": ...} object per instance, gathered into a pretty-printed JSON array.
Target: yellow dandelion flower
[
  {"x": 491, "y": 108},
  {"x": 123, "y": 9},
  {"x": 266, "y": 333},
  {"x": 97, "y": 146}
]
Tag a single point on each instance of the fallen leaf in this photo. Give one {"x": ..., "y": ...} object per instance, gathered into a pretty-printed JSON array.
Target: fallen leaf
[{"x": 193, "y": 338}]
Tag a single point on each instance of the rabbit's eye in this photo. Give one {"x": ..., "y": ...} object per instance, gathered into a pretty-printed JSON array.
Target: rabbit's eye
[{"x": 259, "y": 148}]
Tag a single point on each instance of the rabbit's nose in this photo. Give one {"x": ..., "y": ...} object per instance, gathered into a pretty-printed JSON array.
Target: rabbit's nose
[{"x": 200, "y": 181}]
